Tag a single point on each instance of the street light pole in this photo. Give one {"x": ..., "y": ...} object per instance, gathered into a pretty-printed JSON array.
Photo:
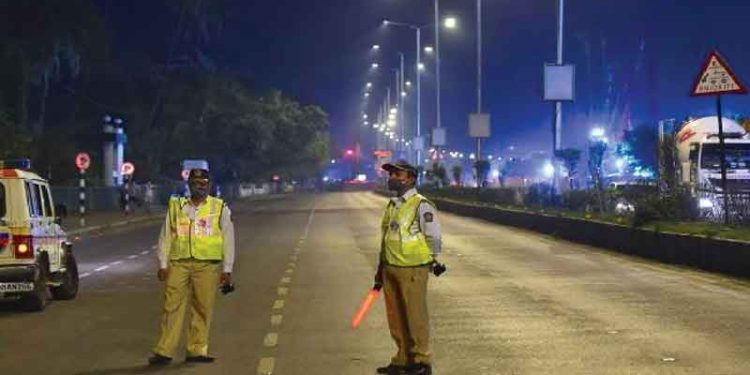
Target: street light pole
[
  {"x": 419, "y": 94},
  {"x": 402, "y": 107},
  {"x": 437, "y": 60},
  {"x": 479, "y": 84}
]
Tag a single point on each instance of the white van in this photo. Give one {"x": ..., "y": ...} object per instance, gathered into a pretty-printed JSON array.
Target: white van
[{"x": 35, "y": 255}]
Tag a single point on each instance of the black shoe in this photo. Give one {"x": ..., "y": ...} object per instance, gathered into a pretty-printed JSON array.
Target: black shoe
[
  {"x": 392, "y": 370},
  {"x": 159, "y": 360},
  {"x": 199, "y": 359},
  {"x": 419, "y": 369}
]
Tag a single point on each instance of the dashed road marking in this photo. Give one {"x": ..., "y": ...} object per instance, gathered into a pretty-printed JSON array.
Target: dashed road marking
[
  {"x": 286, "y": 280},
  {"x": 276, "y": 320},
  {"x": 116, "y": 263},
  {"x": 293, "y": 258},
  {"x": 102, "y": 268},
  {"x": 281, "y": 291},
  {"x": 278, "y": 304},
  {"x": 84, "y": 275},
  {"x": 144, "y": 252},
  {"x": 292, "y": 265},
  {"x": 271, "y": 340},
  {"x": 265, "y": 366},
  {"x": 133, "y": 256},
  {"x": 289, "y": 270},
  {"x": 153, "y": 247}
]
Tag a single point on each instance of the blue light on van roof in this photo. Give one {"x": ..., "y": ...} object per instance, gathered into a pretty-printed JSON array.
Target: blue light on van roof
[{"x": 23, "y": 164}]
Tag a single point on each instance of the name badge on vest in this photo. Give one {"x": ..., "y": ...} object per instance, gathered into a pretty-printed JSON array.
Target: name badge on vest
[{"x": 203, "y": 227}]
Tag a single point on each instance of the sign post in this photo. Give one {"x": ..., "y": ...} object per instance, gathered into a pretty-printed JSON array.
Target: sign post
[
  {"x": 127, "y": 171},
  {"x": 83, "y": 162},
  {"x": 716, "y": 78}
]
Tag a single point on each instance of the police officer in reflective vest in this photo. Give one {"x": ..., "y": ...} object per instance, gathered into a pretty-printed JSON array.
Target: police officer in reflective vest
[
  {"x": 409, "y": 247},
  {"x": 196, "y": 255}
]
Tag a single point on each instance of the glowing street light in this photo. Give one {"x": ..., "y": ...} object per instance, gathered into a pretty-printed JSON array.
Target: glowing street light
[
  {"x": 375, "y": 65},
  {"x": 408, "y": 83},
  {"x": 597, "y": 133},
  {"x": 364, "y": 116},
  {"x": 369, "y": 85},
  {"x": 376, "y": 47},
  {"x": 429, "y": 49},
  {"x": 450, "y": 22},
  {"x": 421, "y": 66}
]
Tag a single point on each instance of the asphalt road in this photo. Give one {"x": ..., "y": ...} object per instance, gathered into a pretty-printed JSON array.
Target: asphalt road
[{"x": 512, "y": 302}]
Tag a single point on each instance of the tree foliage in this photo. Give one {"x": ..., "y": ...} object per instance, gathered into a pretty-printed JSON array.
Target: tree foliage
[{"x": 58, "y": 80}]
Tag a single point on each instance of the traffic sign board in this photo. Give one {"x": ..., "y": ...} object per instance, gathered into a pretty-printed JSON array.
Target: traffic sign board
[
  {"x": 83, "y": 161},
  {"x": 717, "y": 78},
  {"x": 127, "y": 169}
]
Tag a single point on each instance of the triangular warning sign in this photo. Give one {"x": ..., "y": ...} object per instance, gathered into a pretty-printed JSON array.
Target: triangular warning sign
[{"x": 717, "y": 78}]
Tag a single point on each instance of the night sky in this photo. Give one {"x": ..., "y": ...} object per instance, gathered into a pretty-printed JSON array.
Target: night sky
[{"x": 318, "y": 51}]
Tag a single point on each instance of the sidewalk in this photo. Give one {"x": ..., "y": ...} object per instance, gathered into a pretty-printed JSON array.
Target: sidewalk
[{"x": 99, "y": 220}]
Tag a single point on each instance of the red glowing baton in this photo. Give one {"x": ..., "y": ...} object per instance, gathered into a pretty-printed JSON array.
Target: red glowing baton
[{"x": 365, "y": 307}]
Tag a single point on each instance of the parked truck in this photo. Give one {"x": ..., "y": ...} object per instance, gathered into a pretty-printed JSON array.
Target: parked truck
[{"x": 699, "y": 157}]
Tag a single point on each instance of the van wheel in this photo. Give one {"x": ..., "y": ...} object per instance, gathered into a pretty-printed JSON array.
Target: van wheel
[
  {"x": 39, "y": 298},
  {"x": 69, "y": 287}
]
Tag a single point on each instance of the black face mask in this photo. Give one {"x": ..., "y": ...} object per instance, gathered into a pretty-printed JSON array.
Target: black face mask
[
  {"x": 395, "y": 185},
  {"x": 198, "y": 193}
]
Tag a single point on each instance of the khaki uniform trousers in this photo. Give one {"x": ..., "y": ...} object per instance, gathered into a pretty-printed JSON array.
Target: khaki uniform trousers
[
  {"x": 196, "y": 282},
  {"x": 405, "y": 293}
]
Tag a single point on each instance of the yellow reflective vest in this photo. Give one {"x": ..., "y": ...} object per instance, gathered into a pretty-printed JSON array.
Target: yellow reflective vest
[
  {"x": 401, "y": 247},
  {"x": 200, "y": 238}
]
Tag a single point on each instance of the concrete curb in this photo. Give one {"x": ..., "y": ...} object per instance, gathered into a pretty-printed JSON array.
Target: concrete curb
[{"x": 727, "y": 257}]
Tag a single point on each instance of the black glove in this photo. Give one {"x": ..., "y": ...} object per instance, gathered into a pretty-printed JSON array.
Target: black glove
[
  {"x": 438, "y": 268},
  {"x": 227, "y": 288}
]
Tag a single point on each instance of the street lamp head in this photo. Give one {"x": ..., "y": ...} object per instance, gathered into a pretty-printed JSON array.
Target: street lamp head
[
  {"x": 386, "y": 22},
  {"x": 375, "y": 47},
  {"x": 367, "y": 95},
  {"x": 394, "y": 110},
  {"x": 369, "y": 85},
  {"x": 408, "y": 83},
  {"x": 450, "y": 22},
  {"x": 429, "y": 49},
  {"x": 403, "y": 93},
  {"x": 375, "y": 65},
  {"x": 421, "y": 66}
]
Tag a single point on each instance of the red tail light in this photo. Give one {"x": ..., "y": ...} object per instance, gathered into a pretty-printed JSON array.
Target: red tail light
[{"x": 23, "y": 247}]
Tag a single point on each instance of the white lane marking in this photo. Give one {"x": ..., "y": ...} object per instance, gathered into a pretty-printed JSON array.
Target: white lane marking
[
  {"x": 276, "y": 320},
  {"x": 293, "y": 258},
  {"x": 286, "y": 280},
  {"x": 144, "y": 252},
  {"x": 282, "y": 291},
  {"x": 133, "y": 256},
  {"x": 668, "y": 359},
  {"x": 84, "y": 275},
  {"x": 265, "y": 366},
  {"x": 292, "y": 265},
  {"x": 153, "y": 247},
  {"x": 289, "y": 270},
  {"x": 271, "y": 340},
  {"x": 116, "y": 263},
  {"x": 278, "y": 304},
  {"x": 102, "y": 268}
]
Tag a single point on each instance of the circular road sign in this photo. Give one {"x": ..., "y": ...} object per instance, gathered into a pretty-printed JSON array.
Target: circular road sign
[
  {"x": 127, "y": 169},
  {"x": 83, "y": 161}
]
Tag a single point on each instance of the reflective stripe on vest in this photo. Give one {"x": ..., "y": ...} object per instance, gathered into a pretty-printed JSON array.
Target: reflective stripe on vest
[
  {"x": 401, "y": 247},
  {"x": 200, "y": 238}
]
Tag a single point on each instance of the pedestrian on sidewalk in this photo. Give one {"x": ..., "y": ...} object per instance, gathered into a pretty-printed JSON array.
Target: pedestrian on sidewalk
[
  {"x": 409, "y": 248},
  {"x": 196, "y": 255}
]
